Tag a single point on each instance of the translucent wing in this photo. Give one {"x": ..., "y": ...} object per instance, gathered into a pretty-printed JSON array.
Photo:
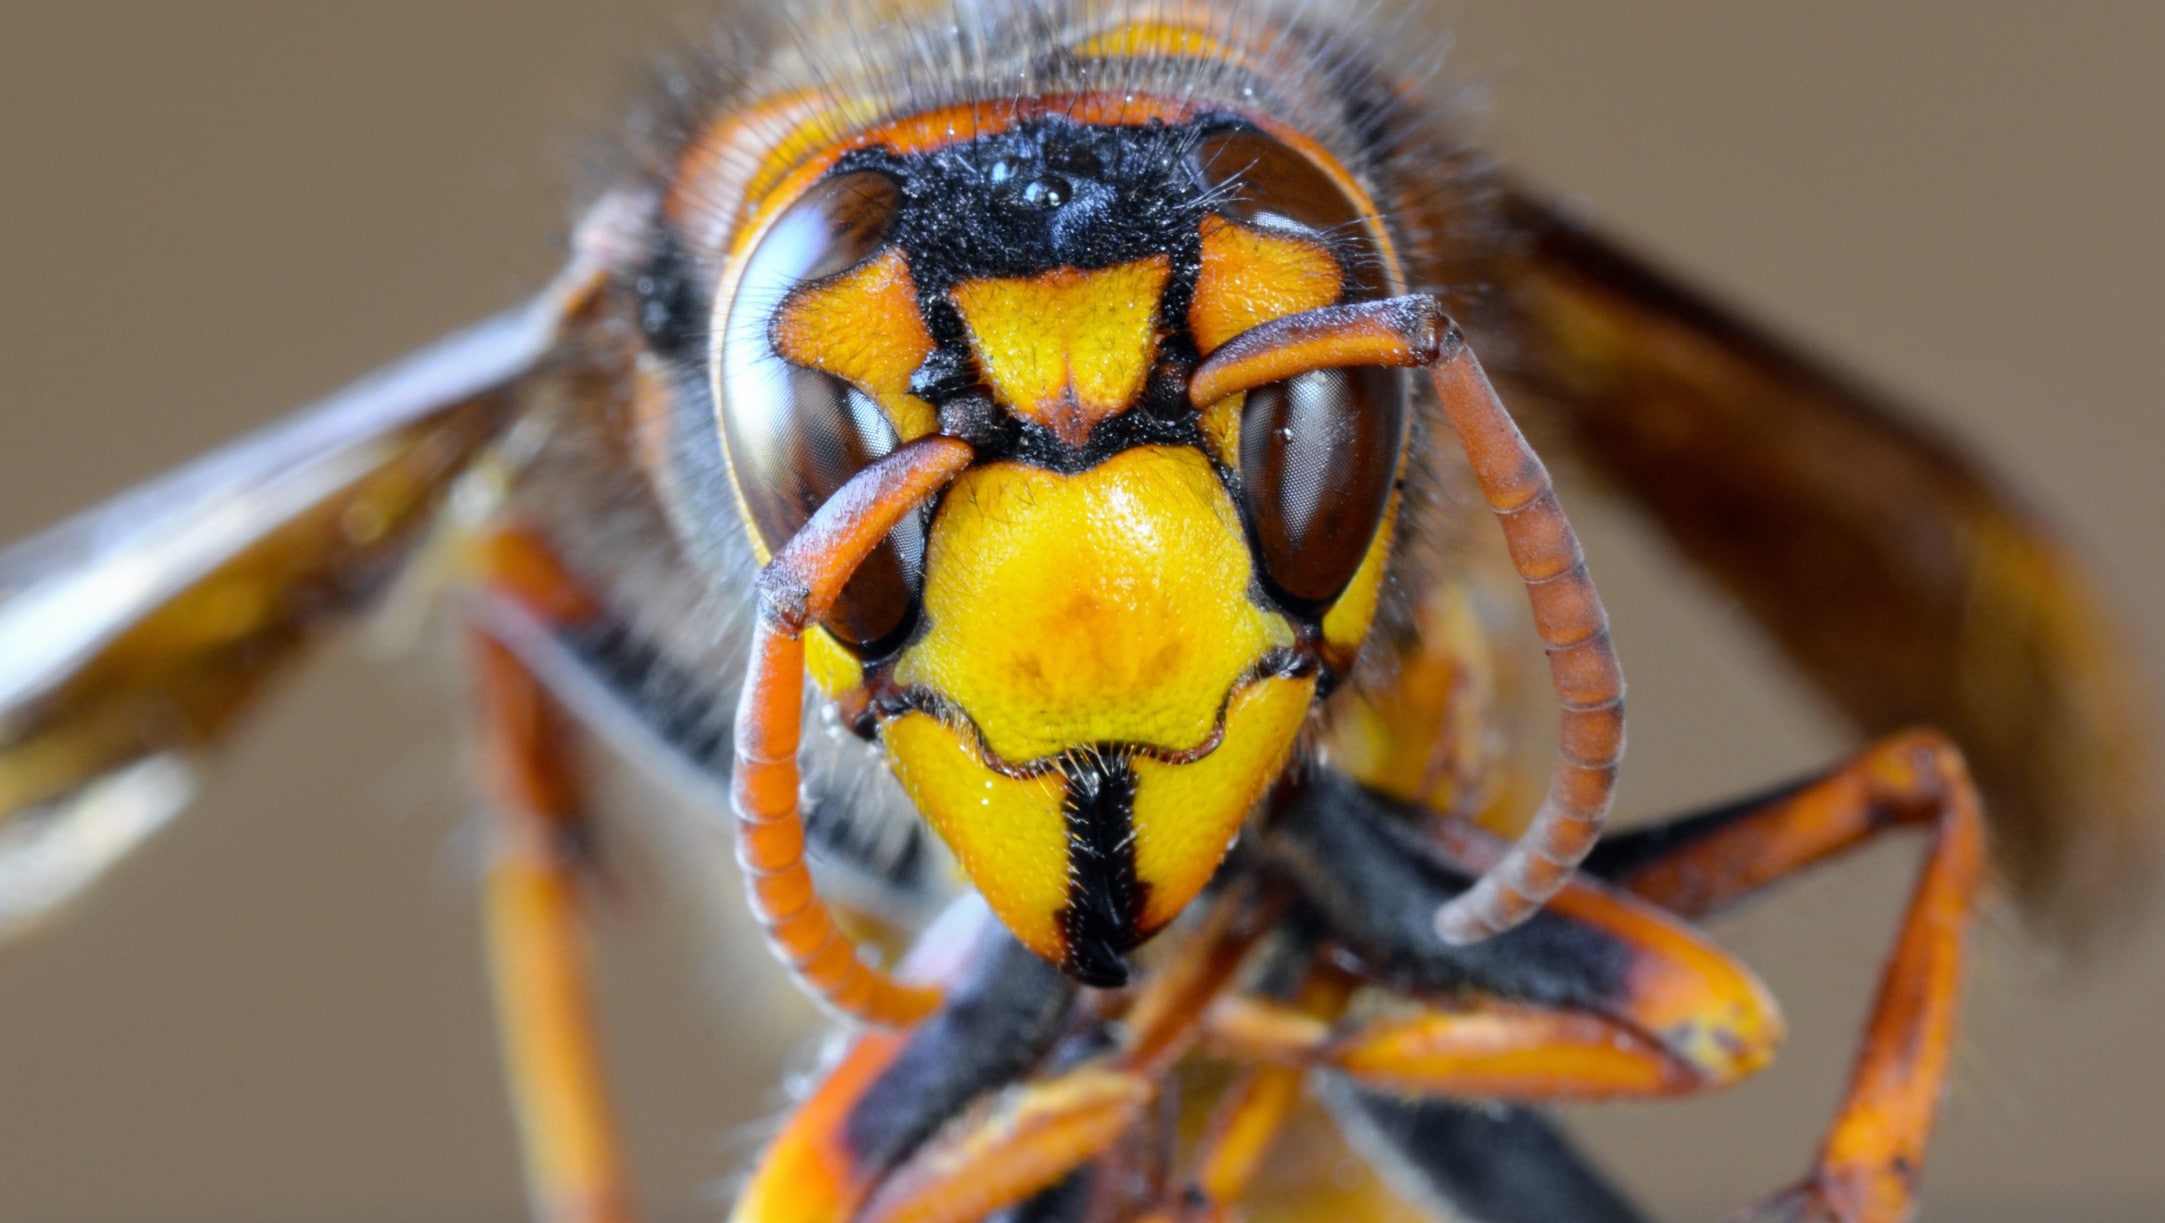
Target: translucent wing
[
  {"x": 1902, "y": 579},
  {"x": 132, "y": 635}
]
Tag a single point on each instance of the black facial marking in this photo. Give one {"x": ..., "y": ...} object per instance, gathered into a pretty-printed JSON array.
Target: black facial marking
[
  {"x": 950, "y": 372},
  {"x": 1024, "y": 441},
  {"x": 1105, "y": 897},
  {"x": 1054, "y": 193},
  {"x": 1047, "y": 193}
]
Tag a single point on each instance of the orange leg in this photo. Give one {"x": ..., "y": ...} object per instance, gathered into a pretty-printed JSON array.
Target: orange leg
[
  {"x": 892, "y": 1093},
  {"x": 1025, "y": 1140},
  {"x": 1650, "y": 1008},
  {"x": 1632, "y": 1001},
  {"x": 1869, "y": 1166},
  {"x": 1162, "y": 1023},
  {"x": 1251, "y": 1115},
  {"x": 932, "y": 1126},
  {"x": 531, "y": 896}
]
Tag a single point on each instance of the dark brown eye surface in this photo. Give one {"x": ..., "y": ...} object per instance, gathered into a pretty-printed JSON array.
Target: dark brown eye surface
[
  {"x": 1318, "y": 456},
  {"x": 795, "y": 435},
  {"x": 1265, "y": 184},
  {"x": 1263, "y": 180},
  {"x": 1318, "y": 453}
]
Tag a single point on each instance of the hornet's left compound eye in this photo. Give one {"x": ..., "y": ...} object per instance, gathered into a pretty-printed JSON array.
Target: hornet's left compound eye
[
  {"x": 796, "y": 435},
  {"x": 1318, "y": 455}
]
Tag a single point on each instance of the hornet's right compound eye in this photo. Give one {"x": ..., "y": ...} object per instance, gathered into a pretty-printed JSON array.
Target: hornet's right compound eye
[{"x": 795, "y": 435}]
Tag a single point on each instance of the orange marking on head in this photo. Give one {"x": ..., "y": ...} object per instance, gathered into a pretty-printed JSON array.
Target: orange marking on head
[
  {"x": 864, "y": 328},
  {"x": 1250, "y": 276},
  {"x": 718, "y": 171},
  {"x": 1068, "y": 348},
  {"x": 1146, "y": 39}
]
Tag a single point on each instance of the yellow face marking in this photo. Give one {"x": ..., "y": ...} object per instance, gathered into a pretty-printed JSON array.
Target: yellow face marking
[
  {"x": 1009, "y": 834},
  {"x": 1250, "y": 276},
  {"x": 1106, "y": 606},
  {"x": 1347, "y": 621},
  {"x": 866, "y": 330},
  {"x": 830, "y": 664},
  {"x": 1221, "y": 429},
  {"x": 1067, "y": 348},
  {"x": 1186, "y": 814}
]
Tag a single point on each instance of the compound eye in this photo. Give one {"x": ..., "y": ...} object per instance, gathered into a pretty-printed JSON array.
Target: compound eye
[
  {"x": 795, "y": 435},
  {"x": 1265, "y": 184},
  {"x": 1318, "y": 457}
]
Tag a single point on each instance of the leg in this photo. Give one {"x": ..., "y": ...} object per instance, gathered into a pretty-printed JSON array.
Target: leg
[
  {"x": 1482, "y": 1164},
  {"x": 1251, "y": 1115},
  {"x": 1479, "y": 1165},
  {"x": 1631, "y": 1000},
  {"x": 575, "y": 1171},
  {"x": 1869, "y": 1166},
  {"x": 918, "y": 1126},
  {"x": 1024, "y": 1142},
  {"x": 1032, "y": 1138},
  {"x": 893, "y": 1093}
]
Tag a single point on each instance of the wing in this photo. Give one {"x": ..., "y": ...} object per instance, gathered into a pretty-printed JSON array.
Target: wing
[
  {"x": 133, "y": 635},
  {"x": 1899, "y": 577}
]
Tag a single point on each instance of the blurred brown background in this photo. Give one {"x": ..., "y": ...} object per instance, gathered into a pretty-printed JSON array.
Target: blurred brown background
[{"x": 211, "y": 212}]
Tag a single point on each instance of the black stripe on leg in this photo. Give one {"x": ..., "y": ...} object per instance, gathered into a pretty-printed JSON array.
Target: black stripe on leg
[
  {"x": 1621, "y": 853},
  {"x": 991, "y": 1030},
  {"x": 1068, "y": 1201},
  {"x": 1376, "y": 884},
  {"x": 1073, "y": 1197},
  {"x": 1482, "y": 1164}
]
